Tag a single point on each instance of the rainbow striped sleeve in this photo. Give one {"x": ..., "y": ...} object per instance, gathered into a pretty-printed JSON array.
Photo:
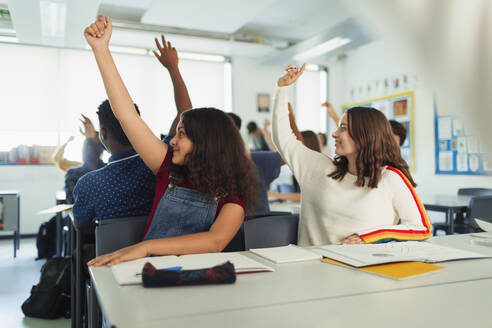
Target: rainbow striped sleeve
[{"x": 402, "y": 232}]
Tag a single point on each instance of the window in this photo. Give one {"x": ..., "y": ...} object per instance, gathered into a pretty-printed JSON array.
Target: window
[{"x": 44, "y": 91}]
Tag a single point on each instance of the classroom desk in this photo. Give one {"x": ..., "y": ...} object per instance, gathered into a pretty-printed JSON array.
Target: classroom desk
[
  {"x": 60, "y": 198},
  {"x": 10, "y": 215},
  {"x": 285, "y": 206},
  {"x": 449, "y": 204},
  {"x": 303, "y": 284}
]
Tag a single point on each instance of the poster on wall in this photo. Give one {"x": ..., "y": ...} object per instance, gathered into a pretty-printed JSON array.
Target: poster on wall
[
  {"x": 263, "y": 101},
  {"x": 398, "y": 107},
  {"x": 458, "y": 150}
]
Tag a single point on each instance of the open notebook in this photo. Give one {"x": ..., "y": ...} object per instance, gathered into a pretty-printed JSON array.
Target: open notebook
[
  {"x": 408, "y": 251},
  {"x": 128, "y": 273},
  {"x": 286, "y": 254}
]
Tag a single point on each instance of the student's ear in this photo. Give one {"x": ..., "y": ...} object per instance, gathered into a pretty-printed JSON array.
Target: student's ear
[{"x": 103, "y": 134}]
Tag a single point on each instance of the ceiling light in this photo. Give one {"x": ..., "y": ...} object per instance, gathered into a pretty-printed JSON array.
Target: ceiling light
[
  {"x": 9, "y": 39},
  {"x": 53, "y": 16},
  {"x": 202, "y": 57},
  {"x": 312, "y": 67},
  {"x": 323, "y": 48},
  {"x": 128, "y": 50}
]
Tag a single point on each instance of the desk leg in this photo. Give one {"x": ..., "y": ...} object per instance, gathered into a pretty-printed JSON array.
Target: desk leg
[
  {"x": 58, "y": 233},
  {"x": 450, "y": 218},
  {"x": 15, "y": 243}
]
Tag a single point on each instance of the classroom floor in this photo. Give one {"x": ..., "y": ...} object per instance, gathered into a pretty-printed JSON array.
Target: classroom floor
[{"x": 16, "y": 279}]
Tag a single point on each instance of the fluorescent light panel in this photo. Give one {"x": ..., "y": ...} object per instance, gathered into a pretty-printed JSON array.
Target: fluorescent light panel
[
  {"x": 202, "y": 57},
  {"x": 322, "y": 48},
  {"x": 182, "y": 55},
  {"x": 53, "y": 17},
  {"x": 129, "y": 50},
  {"x": 312, "y": 67},
  {"x": 9, "y": 39}
]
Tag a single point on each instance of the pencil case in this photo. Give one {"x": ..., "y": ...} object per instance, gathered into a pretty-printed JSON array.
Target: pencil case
[{"x": 219, "y": 274}]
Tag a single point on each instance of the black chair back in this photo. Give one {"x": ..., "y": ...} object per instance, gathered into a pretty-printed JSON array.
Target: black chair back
[
  {"x": 113, "y": 234},
  {"x": 271, "y": 231},
  {"x": 474, "y": 191},
  {"x": 480, "y": 208}
]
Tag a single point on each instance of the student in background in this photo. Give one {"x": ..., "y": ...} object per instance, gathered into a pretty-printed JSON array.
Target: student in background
[
  {"x": 204, "y": 181},
  {"x": 267, "y": 164},
  {"x": 358, "y": 196},
  {"x": 124, "y": 187},
  {"x": 323, "y": 142},
  {"x": 310, "y": 140},
  {"x": 91, "y": 158},
  {"x": 399, "y": 132},
  {"x": 256, "y": 135},
  {"x": 59, "y": 157}
]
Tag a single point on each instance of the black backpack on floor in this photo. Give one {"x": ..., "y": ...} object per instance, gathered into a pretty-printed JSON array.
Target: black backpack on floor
[
  {"x": 50, "y": 299},
  {"x": 46, "y": 239}
]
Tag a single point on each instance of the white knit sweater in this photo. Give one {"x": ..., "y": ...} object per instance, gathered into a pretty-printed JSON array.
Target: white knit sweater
[{"x": 331, "y": 210}]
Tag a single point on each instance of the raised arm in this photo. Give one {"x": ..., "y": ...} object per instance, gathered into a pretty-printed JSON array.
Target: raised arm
[
  {"x": 168, "y": 57},
  {"x": 268, "y": 135},
  {"x": 293, "y": 125},
  {"x": 331, "y": 111},
  {"x": 59, "y": 157},
  {"x": 149, "y": 147}
]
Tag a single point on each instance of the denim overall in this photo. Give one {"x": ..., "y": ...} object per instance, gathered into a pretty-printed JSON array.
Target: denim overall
[{"x": 182, "y": 211}]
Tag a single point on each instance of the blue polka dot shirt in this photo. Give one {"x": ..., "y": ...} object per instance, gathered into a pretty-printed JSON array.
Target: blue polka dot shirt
[{"x": 125, "y": 187}]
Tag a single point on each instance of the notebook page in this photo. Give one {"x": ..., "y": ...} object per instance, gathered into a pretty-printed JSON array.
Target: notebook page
[
  {"x": 128, "y": 273},
  {"x": 286, "y": 254},
  {"x": 241, "y": 263}
]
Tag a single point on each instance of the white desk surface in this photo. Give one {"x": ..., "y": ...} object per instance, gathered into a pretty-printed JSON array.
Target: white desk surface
[
  {"x": 275, "y": 296},
  {"x": 455, "y": 305}
]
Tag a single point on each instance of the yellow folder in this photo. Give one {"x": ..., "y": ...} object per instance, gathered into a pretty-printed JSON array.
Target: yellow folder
[{"x": 399, "y": 270}]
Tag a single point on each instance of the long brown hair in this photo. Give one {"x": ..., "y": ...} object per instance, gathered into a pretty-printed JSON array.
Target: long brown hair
[
  {"x": 310, "y": 140},
  {"x": 373, "y": 136},
  {"x": 217, "y": 164}
]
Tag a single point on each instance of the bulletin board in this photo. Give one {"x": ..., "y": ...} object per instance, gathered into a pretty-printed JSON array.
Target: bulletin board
[
  {"x": 458, "y": 150},
  {"x": 398, "y": 107}
]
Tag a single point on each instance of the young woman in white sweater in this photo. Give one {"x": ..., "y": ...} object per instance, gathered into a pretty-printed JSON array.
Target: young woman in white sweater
[{"x": 365, "y": 194}]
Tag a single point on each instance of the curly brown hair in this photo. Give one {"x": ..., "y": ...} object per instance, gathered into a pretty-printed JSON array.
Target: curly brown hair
[
  {"x": 218, "y": 164},
  {"x": 373, "y": 136}
]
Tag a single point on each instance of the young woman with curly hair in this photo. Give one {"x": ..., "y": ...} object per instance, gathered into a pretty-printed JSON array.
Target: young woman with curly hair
[
  {"x": 204, "y": 180},
  {"x": 359, "y": 196}
]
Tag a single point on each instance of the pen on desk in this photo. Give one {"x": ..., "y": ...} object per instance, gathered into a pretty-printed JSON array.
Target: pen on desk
[{"x": 175, "y": 268}]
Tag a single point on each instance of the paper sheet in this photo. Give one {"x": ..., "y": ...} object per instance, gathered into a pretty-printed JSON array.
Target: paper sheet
[
  {"x": 371, "y": 254},
  {"x": 56, "y": 209}
]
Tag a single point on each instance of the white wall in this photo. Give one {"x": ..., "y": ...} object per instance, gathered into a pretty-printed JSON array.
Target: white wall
[
  {"x": 37, "y": 185},
  {"x": 377, "y": 60},
  {"x": 249, "y": 78}
]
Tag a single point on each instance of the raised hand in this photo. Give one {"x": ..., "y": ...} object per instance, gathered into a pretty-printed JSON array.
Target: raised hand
[
  {"x": 167, "y": 55},
  {"x": 88, "y": 131},
  {"x": 98, "y": 33},
  {"x": 331, "y": 111},
  {"x": 291, "y": 76}
]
